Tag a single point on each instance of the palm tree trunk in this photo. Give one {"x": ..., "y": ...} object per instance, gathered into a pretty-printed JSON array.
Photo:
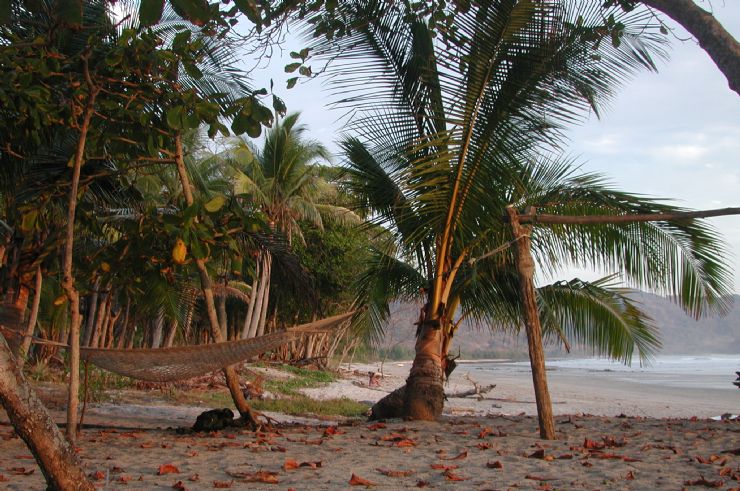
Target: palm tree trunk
[
  {"x": 68, "y": 280},
  {"x": 223, "y": 318},
  {"x": 424, "y": 397},
  {"x": 92, "y": 307},
  {"x": 262, "y": 290},
  {"x": 99, "y": 318},
  {"x": 232, "y": 379},
  {"x": 169, "y": 340},
  {"x": 252, "y": 300},
  {"x": 125, "y": 327},
  {"x": 265, "y": 295},
  {"x": 525, "y": 269},
  {"x": 157, "y": 330},
  {"x": 33, "y": 317},
  {"x": 32, "y": 422},
  {"x": 13, "y": 312}
]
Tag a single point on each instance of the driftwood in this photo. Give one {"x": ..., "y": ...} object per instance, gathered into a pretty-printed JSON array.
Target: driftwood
[{"x": 478, "y": 390}]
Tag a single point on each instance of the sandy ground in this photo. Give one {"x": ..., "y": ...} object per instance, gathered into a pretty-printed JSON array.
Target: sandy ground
[{"x": 136, "y": 446}]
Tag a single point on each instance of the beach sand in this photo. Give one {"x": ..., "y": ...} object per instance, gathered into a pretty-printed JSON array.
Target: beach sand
[{"x": 132, "y": 447}]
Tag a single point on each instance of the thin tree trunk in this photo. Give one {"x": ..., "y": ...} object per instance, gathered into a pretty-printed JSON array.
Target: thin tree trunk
[
  {"x": 223, "y": 318},
  {"x": 265, "y": 296},
  {"x": 99, "y": 318},
  {"x": 260, "y": 297},
  {"x": 232, "y": 379},
  {"x": 125, "y": 327},
  {"x": 112, "y": 326},
  {"x": 33, "y": 317},
  {"x": 157, "y": 330},
  {"x": 252, "y": 299},
  {"x": 56, "y": 456},
  {"x": 525, "y": 269},
  {"x": 68, "y": 279},
  {"x": 171, "y": 332},
  {"x": 92, "y": 307}
]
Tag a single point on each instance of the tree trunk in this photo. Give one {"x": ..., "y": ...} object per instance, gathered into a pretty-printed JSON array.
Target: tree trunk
[
  {"x": 252, "y": 300},
  {"x": 31, "y": 421},
  {"x": 232, "y": 379},
  {"x": 525, "y": 269},
  {"x": 265, "y": 296},
  {"x": 125, "y": 327},
  {"x": 223, "y": 318},
  {"x": 719, "y": 44},
  {"x": 424, "y": 396},
  {"x": 12, "y": 314},
  {"x": 99, "y": 318},
  {"x": 169, "y": 339},
  {"x": 68, "y": 279},
  {"x": 92, "y": 307},
  {"x": 33, "y": 317},
  {"x": 157, "y": 330}
]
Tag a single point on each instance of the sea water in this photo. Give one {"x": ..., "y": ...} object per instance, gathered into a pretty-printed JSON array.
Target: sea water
[{"x": 687, "y": 371}]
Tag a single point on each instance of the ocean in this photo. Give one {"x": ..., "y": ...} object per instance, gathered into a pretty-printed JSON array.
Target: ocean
[{"x": 682, "y": 371}]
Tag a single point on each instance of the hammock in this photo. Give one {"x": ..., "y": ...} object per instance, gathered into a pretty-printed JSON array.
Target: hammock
[{"x": 180, "y": 363}]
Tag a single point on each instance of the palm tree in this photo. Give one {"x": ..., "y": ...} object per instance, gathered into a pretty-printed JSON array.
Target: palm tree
[
  {"x": 286, "y": 182},
  {"x": 453, "y": 131}
]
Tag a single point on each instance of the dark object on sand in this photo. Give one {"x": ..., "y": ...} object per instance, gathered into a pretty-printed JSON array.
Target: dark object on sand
[
  {"x": 214, "y": 420},
  {"x": 736, "y": 383}
]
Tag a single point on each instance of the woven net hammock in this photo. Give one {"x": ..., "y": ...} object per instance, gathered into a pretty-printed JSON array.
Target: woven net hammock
[{"x": 180, "y": 363}]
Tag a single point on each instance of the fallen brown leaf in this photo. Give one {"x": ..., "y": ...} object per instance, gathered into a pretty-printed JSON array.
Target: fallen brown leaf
[
  {"x": 703, "y": 482},
  {"x": 180, "y": 486},
  {"x": 484, "y": 445},
  {"x": 539, "y": 478},
  {"x": 442, "y": 467},
  {"x": 590, "y": 444},
  {"x": 421, "y": 483},
  {"x": 222, "y": 484},
  {"x": 21, "y": 471},
  {"x": 495, "y": 465},
  {"x": 195, "y": 477},
  {"x": 462, "y": 455},
  {"x": 376, "y": 426},
  {"x": 391, "y": 473},
  {"x": 451, "y": 476},
  {"x": 630, "y": 476},
  {"x": 98, "y": 475},
  {"x": 167, "y": 469},
  {"x": 333, "y": 430},
  {"x": 3, "y": 478},
  {"x": 537, "y": 454},
  {"x": 356, "y": 480}
]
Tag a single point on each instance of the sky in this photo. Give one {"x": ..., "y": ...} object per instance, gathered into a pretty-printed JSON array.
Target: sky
[{"x": 673, "y": 134}]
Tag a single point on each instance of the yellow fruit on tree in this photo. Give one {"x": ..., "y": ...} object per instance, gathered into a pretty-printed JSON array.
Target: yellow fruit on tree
[{"x": 179, "y": 252}]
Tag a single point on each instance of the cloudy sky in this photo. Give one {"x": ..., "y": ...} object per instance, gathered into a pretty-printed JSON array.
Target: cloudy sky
[{"x": 674, "y": 134}]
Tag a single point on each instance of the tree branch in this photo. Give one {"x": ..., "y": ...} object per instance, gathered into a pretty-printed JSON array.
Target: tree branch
[
  {"x": 645, "y": 217},
  {"x": 719, "y": 44}
]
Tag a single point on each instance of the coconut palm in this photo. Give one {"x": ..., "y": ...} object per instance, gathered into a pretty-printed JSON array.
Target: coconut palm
[
  {"x": 286, "y": 182},
  {"x": 450, "y": 131}
]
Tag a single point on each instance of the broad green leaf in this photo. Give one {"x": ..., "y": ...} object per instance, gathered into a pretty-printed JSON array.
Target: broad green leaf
[
  {"x": 291, "y": 67},
  {"x": 150, "y": 11},
  {"x": 174, "y": 117},
  {"x": 215, "y": 204},
  {"x": 292, "y": 81},
  {"x": 192, "y": 70},
  {"x": 196, "y": 11}
]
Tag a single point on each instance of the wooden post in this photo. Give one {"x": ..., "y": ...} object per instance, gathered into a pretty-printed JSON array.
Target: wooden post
[{"x": 525, "y": 270}]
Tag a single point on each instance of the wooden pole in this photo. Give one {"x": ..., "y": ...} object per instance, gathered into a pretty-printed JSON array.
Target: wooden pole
[{"x": 525, "y": 270}]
